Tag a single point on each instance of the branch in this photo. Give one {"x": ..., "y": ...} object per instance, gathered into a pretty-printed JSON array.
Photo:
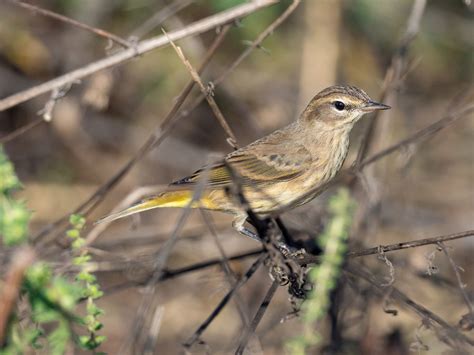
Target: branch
[
  {"x": 249, "y": 331},
  {"x": 197, "y": 334},
  {"x": 208, "y": 94},
  {"x": 394, "y": 73},
  {"x": 160, "y": 260},
  {"x": 309, "y": 259},
  {"x": 20, "y": 131},
  {"x": 425, "y": 313},
  {"x": 142, "y": 47},
  {"x": 462, "y": 287},
  {"x": 258, "y": 41},
  {"x": 102, "y": 33},
  {"x": 425, "y": 132},
  {"x": 159, "y": 17}
]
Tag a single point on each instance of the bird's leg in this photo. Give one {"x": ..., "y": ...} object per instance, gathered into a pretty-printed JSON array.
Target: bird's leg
[{"x": 238, "y": 225}]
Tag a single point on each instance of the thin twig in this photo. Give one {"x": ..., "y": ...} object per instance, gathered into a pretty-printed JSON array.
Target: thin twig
[
  {"x": 142, "y": 47},
  {"x": 197, "y": 334},
  {"x": 462, "y": 287},
  {"x": 306, "y": 260},
  {"x": 425, "y": 313},
  {"x": 46, "y": 114},
  {"x": 393, "y": 73},
  {"x": 149, "y": 348},
  {"x": 258, "y": 41},
  {"x": 428, "y": 131},
  {"x": 309, "y": 259},
  {"x": 160, "y": 260},
  {"x": 102, "y": 33},
  {"x": 230, "y": 275},
  {"x": 249, "y": 331},
  {"x": 170, "y": 274},
  {"x": 159, "y": 17},
  {"x": 208, "y": 93},
  {"x": 20, "y": 131},
  {"x": 254, "y": 45}
]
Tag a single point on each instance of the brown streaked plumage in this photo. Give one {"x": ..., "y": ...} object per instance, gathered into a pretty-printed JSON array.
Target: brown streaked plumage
[{"x": 283, "y": 169}]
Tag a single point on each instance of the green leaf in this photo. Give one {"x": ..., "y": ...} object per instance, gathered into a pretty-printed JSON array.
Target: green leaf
[
  {"x": 8, "y": 178},
  {"x": 94, "y": 291},
  {"x": 93, "y": 310},
  {"x": 86, "y": 277},
  {"x": 39, "y": 275},
  {"x": 78, "y": 243},
  {"x": 77, "y": 221},
  {"x": 64, "y": 293},
  {"x": 14, "y": 218},
  {"x": 59, "y": 338},
  {"x": 81, "y": 259},
  {"x": 73, "y": 233}
]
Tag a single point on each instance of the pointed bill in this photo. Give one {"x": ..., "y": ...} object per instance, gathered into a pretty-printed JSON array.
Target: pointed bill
[{"x": 375, "y": 106}]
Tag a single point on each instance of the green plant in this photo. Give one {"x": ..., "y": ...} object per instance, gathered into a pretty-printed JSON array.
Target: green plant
[
  {"x": 325, "y": 275},
  {"x": 52, "y": 300},
  {"x": 89, "y": 286}
]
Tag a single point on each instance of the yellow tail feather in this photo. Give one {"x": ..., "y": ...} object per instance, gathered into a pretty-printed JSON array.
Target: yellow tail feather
[{"x": 165, "y": 199}]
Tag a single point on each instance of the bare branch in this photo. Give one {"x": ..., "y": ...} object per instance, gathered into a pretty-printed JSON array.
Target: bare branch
[
  {"x": 159, "y": 263},
  {"x": 102, "y": 33},
  {"x": 258, "y": 41},
  {"x": 394, "y": 72},
  {"x": 425, "y": 132},
  {"x": 20, "y": 131},
  {"x": 459, "y": 339},
  {"x": 208, "y": 94},
  {"x": 309, "y": 259},
  {"x": 197, "y": 334},
  {"x": 142, "y": 47},
  {"x": 159, "y": 17},
  {"x": 249, "y": 331},
  {"x": 230, "y": 275},
  {"x": 462, "y": 287},
  {"x": 153, "y": 332}
]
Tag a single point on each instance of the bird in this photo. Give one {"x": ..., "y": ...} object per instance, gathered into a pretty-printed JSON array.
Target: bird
[{"x": 282, "y": 170}]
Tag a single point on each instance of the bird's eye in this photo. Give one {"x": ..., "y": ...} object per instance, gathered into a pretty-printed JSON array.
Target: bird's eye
[{"x": 339, "y": 105}]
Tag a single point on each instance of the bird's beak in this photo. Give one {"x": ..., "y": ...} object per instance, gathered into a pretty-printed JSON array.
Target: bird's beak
[{"x": 374, "y": 106}]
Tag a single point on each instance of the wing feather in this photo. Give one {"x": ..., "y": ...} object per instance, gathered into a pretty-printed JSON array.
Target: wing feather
[{"x": 260, "y": 164}]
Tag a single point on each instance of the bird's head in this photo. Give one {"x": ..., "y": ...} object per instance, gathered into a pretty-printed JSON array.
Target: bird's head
[{"x": 340, "y": 106}]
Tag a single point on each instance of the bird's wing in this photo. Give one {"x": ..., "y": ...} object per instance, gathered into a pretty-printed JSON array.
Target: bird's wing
[{"x": 255, "y": 164}]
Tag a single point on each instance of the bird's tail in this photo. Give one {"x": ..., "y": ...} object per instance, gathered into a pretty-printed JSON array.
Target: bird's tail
[{"x": 164, "y": 199}]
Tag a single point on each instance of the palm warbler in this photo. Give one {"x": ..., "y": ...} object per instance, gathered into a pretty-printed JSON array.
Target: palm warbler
[{"x": 283, "y": 169}]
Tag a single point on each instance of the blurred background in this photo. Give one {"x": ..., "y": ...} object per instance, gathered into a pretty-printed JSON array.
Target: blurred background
[{"x": 424, "y": 190}]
